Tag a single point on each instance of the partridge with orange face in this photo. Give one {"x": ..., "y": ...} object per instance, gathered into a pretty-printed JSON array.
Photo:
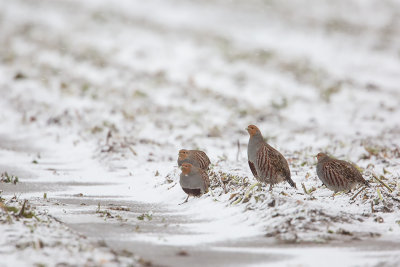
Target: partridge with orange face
[
  {"x": 195, "y": 157},
  {"x": 266, "y": 163},
  {"x": 338, "y": 175},
  {"x": 193, "y": 180}
]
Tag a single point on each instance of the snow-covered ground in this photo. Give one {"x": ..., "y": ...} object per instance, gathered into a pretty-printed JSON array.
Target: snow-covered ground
[{"x": 99, "y": 96}]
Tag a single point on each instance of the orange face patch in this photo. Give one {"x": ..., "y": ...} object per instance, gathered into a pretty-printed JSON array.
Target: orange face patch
[
  {"x": 186, "y": 167},
  {"x": 183, "y": 154},
  {"x": 252, "y": 130}
]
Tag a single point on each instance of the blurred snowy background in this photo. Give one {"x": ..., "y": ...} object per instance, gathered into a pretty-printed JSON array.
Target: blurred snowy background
[{"x": 97, "y": 97}]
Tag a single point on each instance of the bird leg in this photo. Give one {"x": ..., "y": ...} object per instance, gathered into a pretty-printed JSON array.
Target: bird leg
[
  {"x": 186, "y": 200},
  {"x": 270, "y": 188}
]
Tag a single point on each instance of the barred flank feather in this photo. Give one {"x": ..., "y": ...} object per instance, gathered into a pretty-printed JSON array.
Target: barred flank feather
[
  {"x": 205, "y": 178},
  {"x": 201, "y": 157},
  {"x": 273, "y": 166},
  {"x": 338, "y": 175}
]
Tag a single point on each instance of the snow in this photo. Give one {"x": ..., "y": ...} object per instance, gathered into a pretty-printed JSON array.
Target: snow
[{"x": 166, "y": 75}]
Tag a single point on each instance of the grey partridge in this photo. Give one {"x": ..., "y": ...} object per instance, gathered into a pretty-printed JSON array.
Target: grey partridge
[
  {"x": 193, "y": 180},
  {"x": 266, "y": 163},
  {"x": 195, "y": 157},
  {"x": 338, "y": 175}
]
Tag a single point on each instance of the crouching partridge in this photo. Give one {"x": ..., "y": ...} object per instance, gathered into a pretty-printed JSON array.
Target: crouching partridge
[
  {"x": 338, "y": 175},
  {"x": 195, "y": 157},
  {"x": 193, "y": 180},
  {"x": 266, "y": 163}
]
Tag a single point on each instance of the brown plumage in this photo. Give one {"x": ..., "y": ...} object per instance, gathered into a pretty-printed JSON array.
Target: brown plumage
[
  {"x": 193, "y": 180},
  {"x": 266, "y": 163},
  {"x": 195, "y": 157},
  {"x": 338, "y": 175}
]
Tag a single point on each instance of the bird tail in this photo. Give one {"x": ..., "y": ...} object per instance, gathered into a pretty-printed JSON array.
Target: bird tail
[{"x": 290, "y": 181}]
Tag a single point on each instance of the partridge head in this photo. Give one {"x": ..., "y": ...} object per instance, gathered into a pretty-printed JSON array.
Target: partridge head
[{"x": 183, "y": 154}]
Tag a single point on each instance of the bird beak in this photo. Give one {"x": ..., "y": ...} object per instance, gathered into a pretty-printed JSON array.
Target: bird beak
[{"x": 246, "y": 128}]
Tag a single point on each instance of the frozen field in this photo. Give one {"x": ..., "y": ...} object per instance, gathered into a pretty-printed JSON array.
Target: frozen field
[{"x": 97, "y": 97}]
